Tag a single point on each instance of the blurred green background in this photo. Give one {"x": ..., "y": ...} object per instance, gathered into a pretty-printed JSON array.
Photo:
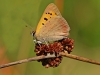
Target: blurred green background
[{"x": 16, "y": 42}]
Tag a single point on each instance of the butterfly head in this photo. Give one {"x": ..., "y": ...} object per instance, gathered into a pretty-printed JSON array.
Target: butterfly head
[
  {"x": 33, "y": 33},
  {"x": 34, "y": 38}
]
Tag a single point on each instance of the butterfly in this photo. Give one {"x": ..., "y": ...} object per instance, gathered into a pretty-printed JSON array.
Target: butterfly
[{"x": 52, "y": 26}]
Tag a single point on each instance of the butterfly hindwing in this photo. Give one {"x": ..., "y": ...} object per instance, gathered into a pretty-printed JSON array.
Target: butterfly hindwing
[{"x": 55, "y": 29}]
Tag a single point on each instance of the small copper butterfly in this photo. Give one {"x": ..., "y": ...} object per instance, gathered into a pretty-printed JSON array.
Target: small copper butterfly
[{"x": 52, "y": 26}]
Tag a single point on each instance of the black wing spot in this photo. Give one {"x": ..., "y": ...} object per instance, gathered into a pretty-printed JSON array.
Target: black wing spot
[
  {"x": 50, "y": 17},
  {"x": 55, "y": 13},
  {"x": 46, "y": 13},
  {"x": 50, "y": 13},
  {"x": 42, "y": 23},
  {"x": 45, "y": 19}
]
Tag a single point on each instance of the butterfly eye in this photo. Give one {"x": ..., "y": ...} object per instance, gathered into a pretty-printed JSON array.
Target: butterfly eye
[{"x": 33, "y": 33}]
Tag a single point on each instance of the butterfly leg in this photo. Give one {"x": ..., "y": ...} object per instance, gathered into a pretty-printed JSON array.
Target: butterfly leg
[
  {"x": 37, "y": 42},
  {"x": 46, "y": 43}
]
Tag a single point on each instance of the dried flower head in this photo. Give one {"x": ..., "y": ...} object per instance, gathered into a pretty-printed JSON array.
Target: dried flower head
[{"x": 63, "y": 45}]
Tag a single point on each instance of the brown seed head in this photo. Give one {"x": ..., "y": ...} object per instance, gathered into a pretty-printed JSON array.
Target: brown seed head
[{"x": 55, "y": 47}]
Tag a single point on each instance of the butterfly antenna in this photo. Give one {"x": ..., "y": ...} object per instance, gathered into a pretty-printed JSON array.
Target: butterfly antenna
[
  {"x": 30, "y": 27},
  {"x": 27, "y": 25}
]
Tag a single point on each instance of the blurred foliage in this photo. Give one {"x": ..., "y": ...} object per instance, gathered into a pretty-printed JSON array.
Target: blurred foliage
[{"x": 16, "y": 42}]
